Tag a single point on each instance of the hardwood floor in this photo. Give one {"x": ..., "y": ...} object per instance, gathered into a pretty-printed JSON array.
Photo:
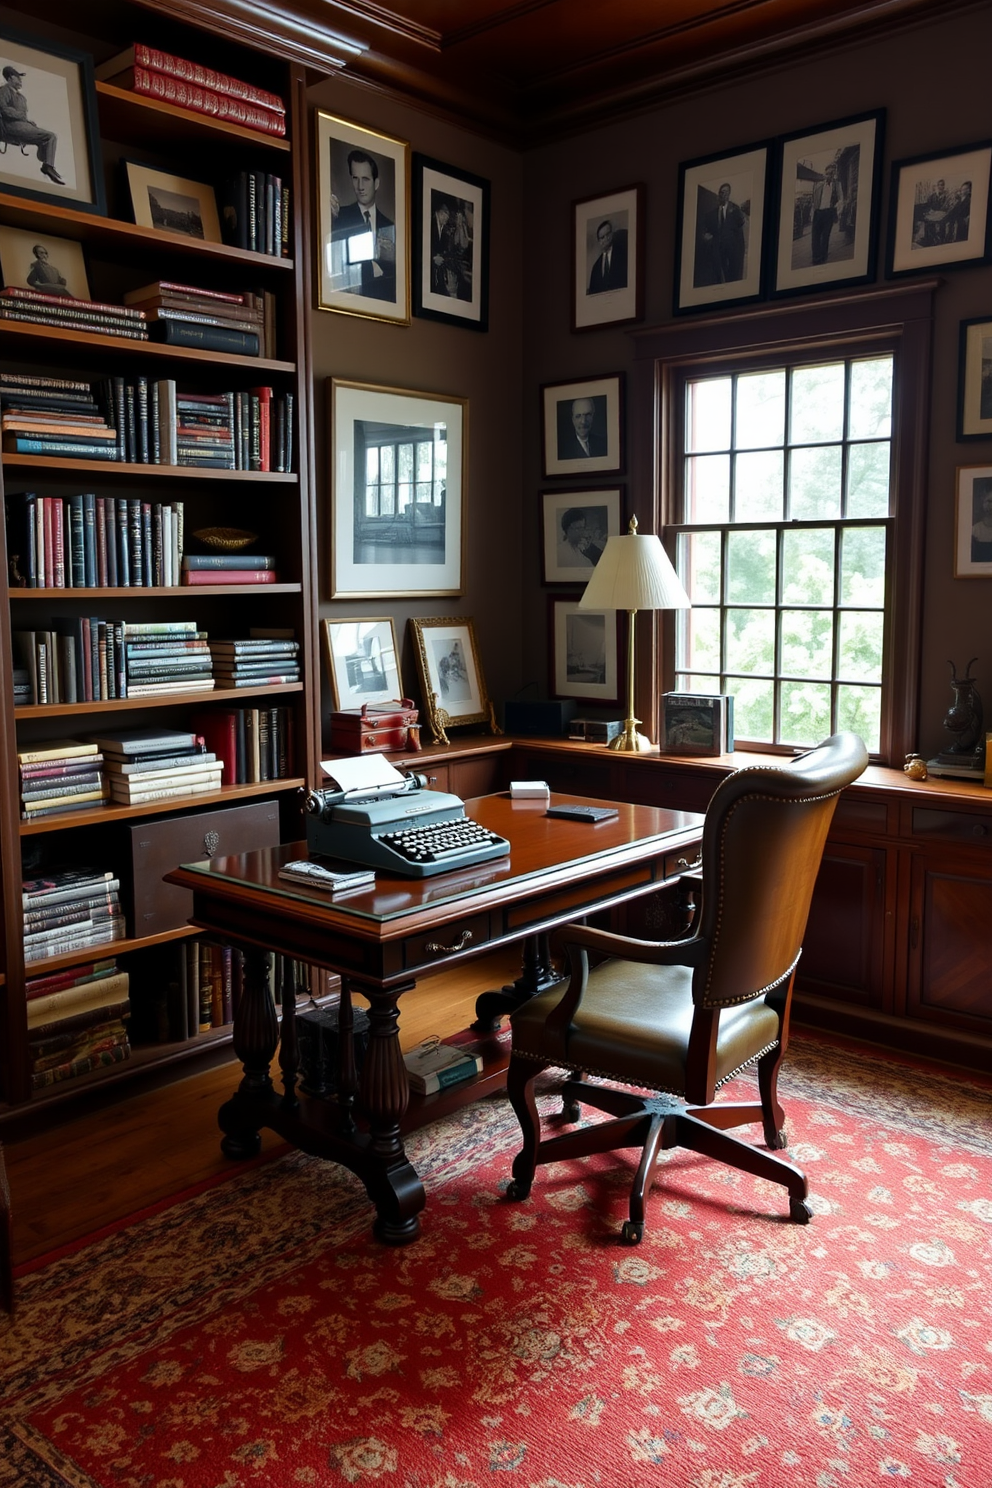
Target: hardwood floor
[{"x": 102, "y": 1167}]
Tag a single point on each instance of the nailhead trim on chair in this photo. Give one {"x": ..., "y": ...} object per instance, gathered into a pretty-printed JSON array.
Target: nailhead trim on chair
[{"x": 624, "y": 1080}]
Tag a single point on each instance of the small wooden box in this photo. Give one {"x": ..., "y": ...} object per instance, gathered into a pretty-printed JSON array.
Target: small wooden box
[{"x": 375, "y": 726}]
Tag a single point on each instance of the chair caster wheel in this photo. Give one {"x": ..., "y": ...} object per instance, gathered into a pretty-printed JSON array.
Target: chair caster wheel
[
  {"x": 632, "y": 1232},
  {"x": 515, "y": 1190},
  {"x": 781, "y": 1141},
  {"x": 571, "y": 1111},
  {"x": 799, "y": 1211}
]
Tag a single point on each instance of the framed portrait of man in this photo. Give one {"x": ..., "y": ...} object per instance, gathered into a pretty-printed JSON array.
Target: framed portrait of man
[
  {"x": 582, "y": 426},
  {"x": 939, "y": 211},
  {"x": 450, "y": 244},
  {"x": 608, "y": 259},
  {"x": 721, "y": 229},
  {"x": 973, "y": 523},
  {"x": 362, "y": 230},
  {"x": 50, "y": 134}
]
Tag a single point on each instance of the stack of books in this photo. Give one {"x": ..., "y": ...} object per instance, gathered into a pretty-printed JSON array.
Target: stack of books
[
  {"x": 60, "y": 776},
  {"x": 157, "y": 423},
  {"x": 202, "y": 90},
  {"x": 64, "y": 313},
  {"x": 183, "y": 315},
  {"x": 70, "y": 909},
  {"x": 156, "y": 764},
  {"x": 91, "y": 542},
  {"x": 252, "y": 744},
  {"x": 433, "y": 1066},
  {"x": 169, "y": 656},
  {"x": 255, "y": 662},
  {"x": 77, "y": 1021},
  {"x": 53, "y": 416},
  {"x": 79, "y": 659},
  {"x": 229, "y": 568},
  {"x": 255, "y": 213}
]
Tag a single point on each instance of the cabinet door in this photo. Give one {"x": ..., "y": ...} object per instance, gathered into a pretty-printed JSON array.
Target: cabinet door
[
  {"x": 844, "y": 945},
  {"x": 950, "y": 949}
]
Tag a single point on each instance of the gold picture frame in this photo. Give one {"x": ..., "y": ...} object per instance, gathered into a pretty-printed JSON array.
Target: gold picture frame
[{"x": 451, "y": 680}]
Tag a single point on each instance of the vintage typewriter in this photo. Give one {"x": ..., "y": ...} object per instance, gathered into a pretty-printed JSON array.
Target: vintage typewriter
[{"x": 391, "y": 821}]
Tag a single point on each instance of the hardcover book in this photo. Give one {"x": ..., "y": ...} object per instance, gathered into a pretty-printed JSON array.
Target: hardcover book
[{"x": 695, "y": 724}]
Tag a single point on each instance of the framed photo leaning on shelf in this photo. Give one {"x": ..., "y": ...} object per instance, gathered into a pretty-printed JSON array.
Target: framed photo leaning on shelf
[
  {"x": 973, "y": 523},
  {"x": 53, "y": 266},
  {"x": 171, "y": 203},
  {"x": 449, "y": 670},
  {"x": 585, "y": 652},
  {"x": 723, "y": 203},
  {"x": 362, "y": 231},
  {"x": 608, "y": 259},
  {"x": 939, "y": 210},
  {"x": 362, "y": 661},
  {"x": 574, "y": 529},
  {"x": 50, "y": 130},
  {"x": 398, "y": 463},
  {"x": 975, "y": 380},
  {"x": 450, "y": 244},
  {"x": 581, "y": 426}
]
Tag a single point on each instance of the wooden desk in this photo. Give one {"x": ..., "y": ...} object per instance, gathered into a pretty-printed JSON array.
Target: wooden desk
[{"x": 380, "y": 940}]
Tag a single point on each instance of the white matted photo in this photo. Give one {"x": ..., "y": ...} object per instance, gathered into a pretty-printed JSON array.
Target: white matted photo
[
  {"x": 448, "y": 666},
  {"x": 975, "y": 379},
  {"x": 722, "y": 208},
  {"x": 51, "y": 266},
  {"x": 973, "y": 523},
  {"x": 585, "y": 652},
  {"x": 574, "y": 529},
  {"x": 171, "y": 203},
  {"x": 608, "y": 258},
  {"x": 50, "y": 138},
  {"x": 939, "y": 210},
  {"x": 451, "y": 244},
  {"x": 581, "y": 426},
  {"x": 362, "y": 661},
  {"x": 362, "y": 235}
]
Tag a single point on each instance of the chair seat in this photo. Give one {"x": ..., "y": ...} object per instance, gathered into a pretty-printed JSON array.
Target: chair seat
[{"x": 633, "y": 1025}]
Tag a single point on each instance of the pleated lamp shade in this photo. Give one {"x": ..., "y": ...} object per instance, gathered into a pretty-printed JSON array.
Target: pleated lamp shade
[{"x": 634, "y": 573}]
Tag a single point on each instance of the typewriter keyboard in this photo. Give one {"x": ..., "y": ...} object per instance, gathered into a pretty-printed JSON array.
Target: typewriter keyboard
[{"x": 460, "y": 841}]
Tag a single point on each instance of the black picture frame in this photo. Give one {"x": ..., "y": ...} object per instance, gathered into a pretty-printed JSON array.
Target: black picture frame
[
  {"x": 584, "y": 651},
  {"x": 720, "y": 257},
  {"x": 608, "y": 229},
  {"x": 975, "y": 379},
  {"x": 61, "y": 123},
  {"x": 820, "y": 244},
  {"x": 451, "y": 215},
  {"x": 933, "y": 228},
  {"x": 562, "y": 454}
]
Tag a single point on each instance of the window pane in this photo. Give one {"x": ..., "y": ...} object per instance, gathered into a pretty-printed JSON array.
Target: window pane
[
  {"x": 868, "y": 480},
  {"x": 862, "y": 566},
  {"x": 707, "y": 488},
  {"x": 760, "y": 410},
  {"x": 404, "y": 462},
  {"x": 708, "y": 415},
  {"x": 870, "y": 412},
  {"x": 387, "y": 501},
  {"x": 387, "y": 457},
  {"x": 371, "y": 501},
  {"x": 807, "y": 643},
  {"x": 860, "y": 657},
  {"x": 750, "y": 567},
  {"x": 404, "y": 493},
  {"x": 425, "y": 461},
  {"x": 700, "y": 639},
  {"x": 860, "y": 709},
  {"x": 440, "y": 457},
  {"x": 698, "y": 559},
  {"x": 817, "y": 404},
  {"x": 751, "y": 641},
  {"x": 758, "y": 487},
  {"x": 371, "y": 465},
  {"x": 804, "y": 713},
  {"x": 753, "y": 707},
  {"x": 808, "y": 566},
  {"x": 815, "y": 482},
  {"x": 425, "y": 492}
]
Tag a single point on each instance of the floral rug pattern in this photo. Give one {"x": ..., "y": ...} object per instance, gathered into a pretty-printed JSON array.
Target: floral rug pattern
[{"x": 254, "y": 1334}]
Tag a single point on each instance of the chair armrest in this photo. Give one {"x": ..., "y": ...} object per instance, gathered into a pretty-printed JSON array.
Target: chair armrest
[{"x": 687, "y": 952}]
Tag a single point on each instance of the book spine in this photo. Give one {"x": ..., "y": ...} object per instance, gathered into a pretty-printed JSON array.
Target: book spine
[
  {"x": 228, "y": 560},
  {"x": 88, "y": 307},
  {"x": 229, "y": 576},
  {"x": 206, "y": 77},
  {"x": 207, "y": 337},
  {"x": 65, "y": 449},
  {"x": 40, "y": 1079}
]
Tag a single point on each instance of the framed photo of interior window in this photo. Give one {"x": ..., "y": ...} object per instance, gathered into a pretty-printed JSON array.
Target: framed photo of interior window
[
  {"x": 574, "y": 529},
  {"x": 398, "y": 463},
  {"x": 362, "y": 232},
  {"x": 939, "y": 211},
  {"x": 608, "y": 259},
  {"x": 52, "y": 153},
  {"x": 973, "y": 523},
  {"x": 975, "y": 379},
  {"x": 362, "y": 661},
  {"x": 450, "y": 244},
  {"x": 722, "y": 211},
  {"x": 584, "y": 647},
  {"x": 449, "y": 669},
  {"x": 829, "y": 183},
  {"x": 581, "y": 426}
]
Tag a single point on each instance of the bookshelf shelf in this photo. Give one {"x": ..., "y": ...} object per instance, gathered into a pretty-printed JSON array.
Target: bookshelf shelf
[
  {"x": 170, "y": 700},
  {"x": 109, "y": 948},
  {"x": 225, "y": 797},
  {"x": 123, "y": 113},
  {"x": 111, "y": 468},
  {"x": 184, "y": 591},
  {"x": 24, "y": 332}
]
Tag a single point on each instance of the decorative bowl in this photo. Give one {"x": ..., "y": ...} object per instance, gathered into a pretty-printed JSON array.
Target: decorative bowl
[{"x": 227, "y": 539}]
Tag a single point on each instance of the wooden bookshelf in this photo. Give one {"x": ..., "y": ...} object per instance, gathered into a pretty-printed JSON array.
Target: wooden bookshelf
[{"x": 223, "y": 797}]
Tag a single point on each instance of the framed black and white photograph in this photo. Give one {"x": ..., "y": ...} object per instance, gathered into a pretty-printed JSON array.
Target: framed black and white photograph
[
  {"x": 363, "y": 212},
  {"x": 723, "y": 201},
  {"x": 39, "y": 261},
  {"x": 973, "y": 523},
  {"x": 50, "y": 134},
  {"x": 171, "y": 203},
  {"x": 939, "y": 210},
  {"x": 584, "y": 646},
  {"x": 581, "y": 426},
  {"x": 363, "y": 661},
  {"x": 975, "y": 379},
  {"x": 829, "y": 181},
  {"x": 398, "y": 462},
  {"x": 574, "y": 529},
  {"x": 449, "y": 669},
  {"x": 450, "y": 244},
  {"x": 608, "y": 259}
]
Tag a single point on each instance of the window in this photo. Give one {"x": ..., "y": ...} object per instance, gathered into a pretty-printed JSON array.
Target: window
[{"x": 783, "y": 540}]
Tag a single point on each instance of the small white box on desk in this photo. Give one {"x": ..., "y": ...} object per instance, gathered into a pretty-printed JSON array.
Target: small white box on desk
[{"x": 529, "y": 790}]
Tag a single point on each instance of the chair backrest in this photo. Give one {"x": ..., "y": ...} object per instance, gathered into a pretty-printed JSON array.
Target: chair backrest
[{"x": 763, "y": 839}]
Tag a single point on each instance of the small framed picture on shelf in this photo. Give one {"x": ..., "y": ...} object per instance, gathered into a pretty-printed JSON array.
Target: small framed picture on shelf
[
  {"x": 939, "y": 210},
  {"x": 582, "y": 426},
  {"x": 172, "y": 204},
  {"x": 975, "y": 380},
  {"x": 449, "y": 670},
  {"x": 363, "y": 210},
  {"x": 362, "y": 661},
  {"x": 43, "y": 263},
  {"x": 696, "y": 723},
  {"x": 973, "y": 523},
  {"x": 450, "y": 244},
  {"x": 829, "y": 185},
  {"x": 585, "y": 651},
  {"x": 723, "y": 203},
  {"x": 574, "y": 529},
  {"x": 608, "y": 259},
  {"x": 50, "y": 133},
  {"x": 398, "y": 466}
]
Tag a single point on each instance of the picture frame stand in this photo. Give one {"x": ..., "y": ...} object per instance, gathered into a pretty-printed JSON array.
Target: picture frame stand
[{"x": 440, "y": 720}]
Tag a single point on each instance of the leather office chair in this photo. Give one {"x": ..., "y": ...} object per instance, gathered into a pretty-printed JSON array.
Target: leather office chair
[{"x": 683, "y": 1017}]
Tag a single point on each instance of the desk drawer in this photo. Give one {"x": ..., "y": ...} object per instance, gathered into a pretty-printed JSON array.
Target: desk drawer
[
  {"x": 435, "y": 947},
  {"x": 953, "y": 826}
]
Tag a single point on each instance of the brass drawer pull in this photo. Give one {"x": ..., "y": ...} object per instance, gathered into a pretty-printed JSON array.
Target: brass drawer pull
[
  {"x": 685, "y": 864},
  {"x": 435, "y": 948}
]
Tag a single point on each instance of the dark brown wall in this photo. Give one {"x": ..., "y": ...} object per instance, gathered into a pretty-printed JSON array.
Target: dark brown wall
[{"x": 932, "y": 81}]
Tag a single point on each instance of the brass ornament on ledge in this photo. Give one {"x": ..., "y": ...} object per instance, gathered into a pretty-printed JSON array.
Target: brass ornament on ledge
[{"x": 915, "y": 767}]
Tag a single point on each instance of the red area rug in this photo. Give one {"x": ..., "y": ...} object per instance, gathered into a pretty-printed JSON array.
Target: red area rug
[{"x": 254, "y": 1335}]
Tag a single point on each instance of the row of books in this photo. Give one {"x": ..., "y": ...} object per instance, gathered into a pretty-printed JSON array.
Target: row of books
[
  {"x": 255, "y": 212},
  {"x": 229, "y": 568},
  {"x": 54, "y": 416},
  {"x": 77, "y": 1021},
  {"x": 215, "y": 320},
  {"x": 88, "y": 659},
  {"x": 95, "y": 542},
  {"x": 251, "y": 744},
  {"x": 196, "y": 986},
  {"x": 67, "y": 313},
  {"x": 157, "y": 423},
  {"x": 70, "y": 909},
  {"x": 190, "y": 85}
]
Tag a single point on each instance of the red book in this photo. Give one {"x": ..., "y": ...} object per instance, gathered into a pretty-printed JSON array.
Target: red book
[
  {"x": 140, "y": 55},
  {"x": 58, "y": 543},
  {"x": 49, "y": 542},
  {"x": 220, "y": 731},
  {"x": 229, "y": 576},
  {"x": 200, "y": 100},
  {"x": 264, "y": 396}
]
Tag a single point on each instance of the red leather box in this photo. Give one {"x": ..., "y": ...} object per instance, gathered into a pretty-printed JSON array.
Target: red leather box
[{"x": 375, "y": 726}]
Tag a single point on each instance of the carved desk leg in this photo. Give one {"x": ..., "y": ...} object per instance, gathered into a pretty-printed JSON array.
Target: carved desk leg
[
  {"x": 390, "y": 1179},
  {"x": 256, "y": 1034},
  {"x": 535, "y": 975},
  {"x": 289, "y": 1047}
]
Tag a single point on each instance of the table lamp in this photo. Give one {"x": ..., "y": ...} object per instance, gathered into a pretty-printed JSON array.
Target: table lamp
[{"x": 634, "y": 573}]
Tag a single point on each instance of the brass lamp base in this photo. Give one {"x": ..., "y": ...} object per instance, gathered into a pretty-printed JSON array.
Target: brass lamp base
[{"x": 630, "y": 741}]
